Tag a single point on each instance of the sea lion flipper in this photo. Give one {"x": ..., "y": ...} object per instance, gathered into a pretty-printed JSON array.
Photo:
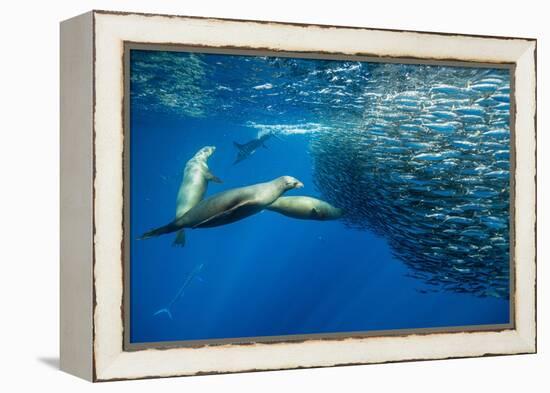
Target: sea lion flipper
[
  {"x": 237, "y": 145},
  {"x": 314, "y": 213},
  {"x": 211, "y": 177},
  {"x": 221, "y": 214},
  {"x": 179, "y": 241}
]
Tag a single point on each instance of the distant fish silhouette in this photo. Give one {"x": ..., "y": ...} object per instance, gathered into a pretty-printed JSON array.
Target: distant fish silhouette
[
  {"x": 245, "y": 150},
  {"x": 168, "y": 309},
  {"x": 164, "y": 310}
]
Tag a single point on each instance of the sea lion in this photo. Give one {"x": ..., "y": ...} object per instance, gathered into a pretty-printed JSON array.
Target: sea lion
[
  {"x": 245, "y": 150},
  {"x": 229, "y": 206},
  {"x": 196, "y": 176},
  {"x": 305, "y": 208}
]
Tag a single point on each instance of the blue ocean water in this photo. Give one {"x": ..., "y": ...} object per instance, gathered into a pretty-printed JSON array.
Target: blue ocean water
[{"x": 271, "y": 275}]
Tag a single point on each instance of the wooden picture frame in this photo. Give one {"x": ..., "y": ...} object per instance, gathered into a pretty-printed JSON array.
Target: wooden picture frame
[{"x": 94, "y": 169}]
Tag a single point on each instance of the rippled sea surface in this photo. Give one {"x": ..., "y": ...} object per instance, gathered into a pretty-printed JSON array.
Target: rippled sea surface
[{"x": 417, "y": 156}]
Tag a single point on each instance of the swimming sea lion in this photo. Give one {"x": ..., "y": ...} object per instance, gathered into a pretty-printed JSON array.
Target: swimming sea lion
[
  {"x": 229, "y": 206},
  {"x": 245, "y": 150},
  {"x": 196, "y": 176},
  {"x": 306, "y": 208}
]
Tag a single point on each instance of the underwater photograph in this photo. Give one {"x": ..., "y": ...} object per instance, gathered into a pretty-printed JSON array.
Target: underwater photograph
[{"x": 275, "y": 196}]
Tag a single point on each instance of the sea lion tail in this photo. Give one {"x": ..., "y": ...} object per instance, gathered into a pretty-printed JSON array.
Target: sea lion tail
[
  {"x": 179, "y": 241},
  {"x": 157, "y": 232}
]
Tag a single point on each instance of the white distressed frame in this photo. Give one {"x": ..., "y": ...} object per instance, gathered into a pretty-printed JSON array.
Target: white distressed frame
[{"x": 111, "y": 30}]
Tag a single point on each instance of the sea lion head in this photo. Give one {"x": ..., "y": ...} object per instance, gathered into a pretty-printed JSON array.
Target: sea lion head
[
  {"x": 205, "y": 152},
  {"x": 290, "y": 182}
]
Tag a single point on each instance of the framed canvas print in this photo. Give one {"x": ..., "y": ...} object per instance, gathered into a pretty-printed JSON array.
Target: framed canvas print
[{"x": 245, "y": 195}]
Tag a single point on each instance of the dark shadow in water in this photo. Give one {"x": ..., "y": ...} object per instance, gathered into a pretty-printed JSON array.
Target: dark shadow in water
[{"x": 52, "y": 362}]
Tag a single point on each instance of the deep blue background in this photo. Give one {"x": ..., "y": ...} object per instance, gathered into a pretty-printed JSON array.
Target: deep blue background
[{"x": 269, "y": 274}]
